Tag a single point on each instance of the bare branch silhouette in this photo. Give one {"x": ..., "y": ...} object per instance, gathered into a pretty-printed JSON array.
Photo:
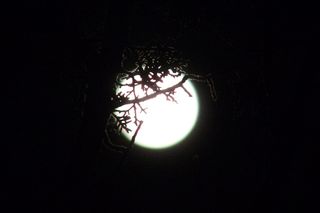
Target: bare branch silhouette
[{"x": 146, "y": 67}]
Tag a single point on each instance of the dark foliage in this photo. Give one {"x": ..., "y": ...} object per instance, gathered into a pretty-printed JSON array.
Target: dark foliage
[{"x": 252, "y": 150}]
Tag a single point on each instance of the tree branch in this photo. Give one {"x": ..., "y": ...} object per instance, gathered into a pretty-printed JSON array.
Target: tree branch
[{"x": 155, "y": 94}]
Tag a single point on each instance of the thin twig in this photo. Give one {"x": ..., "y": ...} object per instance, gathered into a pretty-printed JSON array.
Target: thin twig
[
  {"x": 135, "y": 135},
  {"x": 125, "y": 154},
  {"x": 186, "y": 91},
  {"x": 155, "y": 94},
  {"x": 108, "y": 144}
]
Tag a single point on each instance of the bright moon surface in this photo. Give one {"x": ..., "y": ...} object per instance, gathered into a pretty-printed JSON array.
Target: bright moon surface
[{"x": 165, "y": 123}]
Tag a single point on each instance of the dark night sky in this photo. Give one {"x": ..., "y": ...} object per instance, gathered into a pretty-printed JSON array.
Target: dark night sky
[{"x": 249, "y": 150}]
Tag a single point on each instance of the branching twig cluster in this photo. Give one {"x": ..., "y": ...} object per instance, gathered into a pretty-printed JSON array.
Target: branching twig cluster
[{"x": 145, "y": 68}]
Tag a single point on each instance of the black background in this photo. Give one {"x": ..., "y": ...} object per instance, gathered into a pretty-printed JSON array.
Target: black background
[{"x": 252, "y": 149}]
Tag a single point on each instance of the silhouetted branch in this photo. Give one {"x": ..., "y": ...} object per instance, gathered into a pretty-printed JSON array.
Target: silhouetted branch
[
  {"x": 145, "y": 67},
  {"x": 135, "y": 134},
  {"x": 155, "y": 94},
  {"x": 126, "y": 151}
]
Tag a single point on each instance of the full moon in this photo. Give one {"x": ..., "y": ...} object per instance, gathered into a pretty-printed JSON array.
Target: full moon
[{"x": 165, "y": 122}]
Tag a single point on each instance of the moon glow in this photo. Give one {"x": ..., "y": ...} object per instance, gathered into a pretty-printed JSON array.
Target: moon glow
[{"x": 165, "y": 123}]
